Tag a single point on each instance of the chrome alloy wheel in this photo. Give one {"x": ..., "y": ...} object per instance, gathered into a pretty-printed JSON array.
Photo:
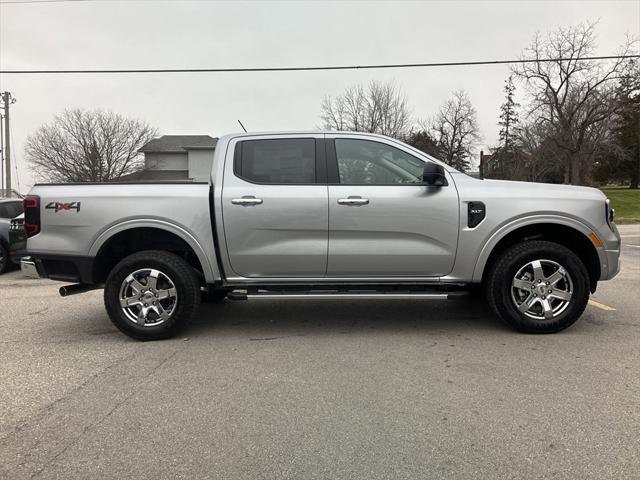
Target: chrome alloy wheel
[
  {"x": 148, "y": 297},
  {"x": 542, "y": 289}
]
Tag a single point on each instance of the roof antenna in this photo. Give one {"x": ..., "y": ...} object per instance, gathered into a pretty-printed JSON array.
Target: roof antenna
[{"x": 245, "y": 130}]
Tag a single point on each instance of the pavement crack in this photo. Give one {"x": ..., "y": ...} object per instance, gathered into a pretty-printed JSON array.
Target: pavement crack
[
  {"x": 99, "y": 421},
  {"x": 48, "y": 408},
  {"x": 264, "y": 339}
]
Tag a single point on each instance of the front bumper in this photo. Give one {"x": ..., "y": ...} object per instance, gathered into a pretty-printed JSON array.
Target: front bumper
[
  {"x": 610, "y": 254},
  {"x": 612, "y": 265}
]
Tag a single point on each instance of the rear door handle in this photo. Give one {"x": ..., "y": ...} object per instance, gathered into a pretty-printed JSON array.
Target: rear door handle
[
  {"x": 247, "y": 201},
  {"x": 353, "y": 201}
]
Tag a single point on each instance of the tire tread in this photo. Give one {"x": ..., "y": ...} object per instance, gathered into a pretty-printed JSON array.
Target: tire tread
[
  {"x": 188, "y": 301},
  {"x": 501, "y": 304}
]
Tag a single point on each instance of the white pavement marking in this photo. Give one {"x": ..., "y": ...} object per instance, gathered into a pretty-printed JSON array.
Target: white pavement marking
[{"x": 601, "y": 306}]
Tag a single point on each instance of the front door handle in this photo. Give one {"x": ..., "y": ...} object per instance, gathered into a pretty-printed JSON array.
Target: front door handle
[
  {"x": 247, "y": 201},
  {"x": 353, "y": 200}
]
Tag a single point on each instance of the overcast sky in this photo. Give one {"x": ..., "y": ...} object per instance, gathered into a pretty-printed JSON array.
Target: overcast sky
[{"x": 152, "y": 34}]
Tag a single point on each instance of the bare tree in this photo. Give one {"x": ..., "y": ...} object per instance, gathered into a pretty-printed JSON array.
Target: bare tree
[
  {"x": 87, "y": 146},
  {"x": 455, "y": 128},
  {"x": 378, "y": 108},
  {"x": 573, "y": 96},
  {"x": 618, "y": 159},
  {"x": 538, "y": 159}
]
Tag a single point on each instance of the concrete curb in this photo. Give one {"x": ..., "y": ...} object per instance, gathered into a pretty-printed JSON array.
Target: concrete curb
[{"x": 629, "y": 229}]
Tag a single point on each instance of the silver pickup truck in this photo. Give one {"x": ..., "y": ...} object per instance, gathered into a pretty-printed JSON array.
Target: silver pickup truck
[{"x": 323, "y": 215}]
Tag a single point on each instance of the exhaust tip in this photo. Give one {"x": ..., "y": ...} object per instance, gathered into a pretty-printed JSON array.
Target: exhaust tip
[{"x": 67, "y": 290}]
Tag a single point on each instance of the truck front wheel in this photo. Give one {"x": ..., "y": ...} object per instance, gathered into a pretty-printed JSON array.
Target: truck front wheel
[
  {"x": 538, "y": 287},
  {"x": 151, "y": 295}
]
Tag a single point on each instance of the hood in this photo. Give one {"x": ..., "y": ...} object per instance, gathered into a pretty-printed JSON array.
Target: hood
[{"x": 513, "y": 189}]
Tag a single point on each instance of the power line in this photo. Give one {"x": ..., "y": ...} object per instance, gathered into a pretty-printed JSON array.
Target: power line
[
  {"x": 26, "y": 2},
  {"x": 9, "y": 2},
  {"x": 316, "y": 68}
]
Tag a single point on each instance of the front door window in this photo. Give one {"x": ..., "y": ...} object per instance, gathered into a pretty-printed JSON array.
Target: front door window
[{"x": 365, "y": 162}]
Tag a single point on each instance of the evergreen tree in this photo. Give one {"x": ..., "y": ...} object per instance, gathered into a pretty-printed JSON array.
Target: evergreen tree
[
  {"x": 508, "y": 116},
  {"x": 506, "y": 154},
  {"x": 423, "y": 140}
]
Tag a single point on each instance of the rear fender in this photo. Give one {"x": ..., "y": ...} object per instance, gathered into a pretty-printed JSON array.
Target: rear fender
[{"x": 210, "y": 270}]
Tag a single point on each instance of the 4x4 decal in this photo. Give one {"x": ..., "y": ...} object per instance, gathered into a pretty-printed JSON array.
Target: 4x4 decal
[{"x": 58, "y": 206}]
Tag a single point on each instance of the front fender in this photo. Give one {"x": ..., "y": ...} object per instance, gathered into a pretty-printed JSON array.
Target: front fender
[{"x": 515, "y": 224}]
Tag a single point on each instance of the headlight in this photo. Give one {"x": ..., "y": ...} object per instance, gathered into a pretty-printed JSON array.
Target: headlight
[{"x": 610, "y": 213}]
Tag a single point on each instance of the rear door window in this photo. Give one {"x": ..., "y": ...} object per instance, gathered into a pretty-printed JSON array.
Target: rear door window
[{"x": 276, "y": 161}]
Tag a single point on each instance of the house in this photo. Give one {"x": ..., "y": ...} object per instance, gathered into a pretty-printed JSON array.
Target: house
[
  {"x": 486, "y": 166},
  {"x": 502, "y": 165},
  {"x": 176, "y": 157}
]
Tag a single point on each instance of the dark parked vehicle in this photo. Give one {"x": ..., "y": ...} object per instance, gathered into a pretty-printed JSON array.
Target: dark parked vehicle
[
  {"x": 17, "y": 239},
  {"x": 10, "y": 208}
]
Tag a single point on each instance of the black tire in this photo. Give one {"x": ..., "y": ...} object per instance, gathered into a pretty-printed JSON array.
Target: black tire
[
  {"x": 214, "y": 296},
  {"x": 499, "y": 286},
  {"x": 173, "y": 267},
  {"x": 5, "y": 261}
]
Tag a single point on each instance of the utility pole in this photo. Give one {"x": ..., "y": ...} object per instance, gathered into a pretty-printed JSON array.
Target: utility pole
[{"x": 7, "y": 100}]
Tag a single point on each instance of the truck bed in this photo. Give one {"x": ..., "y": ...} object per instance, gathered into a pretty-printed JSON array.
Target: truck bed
[{"x": 77, "y": 219}]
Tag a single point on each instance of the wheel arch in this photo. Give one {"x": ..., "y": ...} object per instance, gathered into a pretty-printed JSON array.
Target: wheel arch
[
  {"x": 130, "y": 237},
  {"x": 564, "y": 231}
]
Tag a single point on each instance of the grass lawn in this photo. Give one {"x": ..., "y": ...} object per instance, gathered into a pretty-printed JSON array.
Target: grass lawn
[{"x": 626, "y": 202}]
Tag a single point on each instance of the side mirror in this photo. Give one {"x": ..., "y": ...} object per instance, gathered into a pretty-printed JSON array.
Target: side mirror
[{"x": 433, "y": 175}]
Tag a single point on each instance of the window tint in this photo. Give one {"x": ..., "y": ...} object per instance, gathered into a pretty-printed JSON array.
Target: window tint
[
  {"x": 16, "y": 209},
  {"x": 10, "y": 209},
  {"x": 279, "y": 161},
  {"x": 366, "y": 162}
]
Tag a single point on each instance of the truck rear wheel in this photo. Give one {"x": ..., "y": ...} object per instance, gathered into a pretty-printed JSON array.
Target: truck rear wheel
[
  {"x": 538, "y": 287},
  {"x": 151, "y": 295}
]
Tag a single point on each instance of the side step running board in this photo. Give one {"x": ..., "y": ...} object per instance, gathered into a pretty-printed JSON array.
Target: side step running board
[{"x": 310, "y": 295}]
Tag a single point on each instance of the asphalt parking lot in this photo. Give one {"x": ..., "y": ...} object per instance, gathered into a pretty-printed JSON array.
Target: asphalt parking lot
[{"x": 322, "y": 389}]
